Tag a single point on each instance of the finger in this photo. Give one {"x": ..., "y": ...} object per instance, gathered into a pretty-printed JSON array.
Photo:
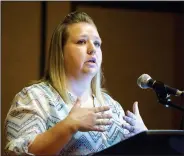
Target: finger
[
  {"x": 129, "y": 135},
  {"x": 99, "y": 128},
  {"x": 103, "y": 116},
  {"x": 128, "y": 127},
  {"x": 131, "y": 115},
  {"x": 129, "y": 120},
  {"x": 135, "y": 108},
  {"x": 103, "y": 122},
  {"x": 101, "y": 109}
]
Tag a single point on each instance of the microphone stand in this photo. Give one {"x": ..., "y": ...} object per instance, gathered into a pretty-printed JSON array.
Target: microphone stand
[
  {"x": 164, "y": 97},
  {"x": 167, "y": 102}
]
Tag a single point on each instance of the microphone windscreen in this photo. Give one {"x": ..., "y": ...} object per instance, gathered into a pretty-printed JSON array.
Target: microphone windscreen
[{"x": 142, "y": 81}]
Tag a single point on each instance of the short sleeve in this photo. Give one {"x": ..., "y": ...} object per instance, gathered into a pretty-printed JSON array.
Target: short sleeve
[{"x": 26, "y": 119}]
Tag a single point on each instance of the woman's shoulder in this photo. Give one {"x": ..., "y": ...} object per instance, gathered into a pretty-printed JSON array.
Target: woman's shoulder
[
  {"x": 108, "y": 99},
  {"x": 33, "y": 88},
  {"x": 107, "y": 96},
  {"x": 36, "y": 90},
  {"x": 37, "y": 94}
]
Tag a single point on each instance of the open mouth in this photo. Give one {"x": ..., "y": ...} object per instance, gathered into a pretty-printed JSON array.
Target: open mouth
[{"x": 93, "y": 60}]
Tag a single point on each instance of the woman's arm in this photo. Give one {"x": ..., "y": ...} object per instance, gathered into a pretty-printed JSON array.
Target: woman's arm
[
  {"x": 27, "y": 130},
  {"x": 54, "y": 139},
  {"x": 27, "y": 126}
]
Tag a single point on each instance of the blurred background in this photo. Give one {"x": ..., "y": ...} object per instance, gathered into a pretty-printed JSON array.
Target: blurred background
[{"x": 138, "y": 37}]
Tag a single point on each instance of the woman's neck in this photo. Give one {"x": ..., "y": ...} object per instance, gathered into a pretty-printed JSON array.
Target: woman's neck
[{"x": 79, "y": 87}]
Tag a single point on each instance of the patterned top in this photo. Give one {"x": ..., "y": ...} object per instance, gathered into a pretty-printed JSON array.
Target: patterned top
[{"x": 39, "y": 107}]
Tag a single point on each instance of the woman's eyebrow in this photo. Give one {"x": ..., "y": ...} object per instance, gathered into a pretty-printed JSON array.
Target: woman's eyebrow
[{"x": 96, "y": 37}]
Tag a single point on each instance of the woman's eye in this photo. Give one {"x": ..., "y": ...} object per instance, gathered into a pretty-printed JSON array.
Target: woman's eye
[
  {"x": 81, "y": 42},
  {"x": 97, "y": 44}
]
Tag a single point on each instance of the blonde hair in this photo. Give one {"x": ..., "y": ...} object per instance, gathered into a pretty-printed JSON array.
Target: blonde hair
[{"x": 55, "y": 72}]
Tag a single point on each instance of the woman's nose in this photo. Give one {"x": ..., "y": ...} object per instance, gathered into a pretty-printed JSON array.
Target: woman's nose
[
  {"x": 91, "y": 49},
  {"x": 92, "y": 52}
]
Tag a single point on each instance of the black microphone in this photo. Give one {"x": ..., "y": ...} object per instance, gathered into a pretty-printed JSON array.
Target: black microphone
[{"x": 145, "y": 81}]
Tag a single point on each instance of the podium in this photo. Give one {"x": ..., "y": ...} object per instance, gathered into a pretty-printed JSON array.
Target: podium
[{"x": 151, "y": 142}]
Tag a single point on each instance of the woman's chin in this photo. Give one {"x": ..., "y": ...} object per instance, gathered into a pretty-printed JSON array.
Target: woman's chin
[{"x": 90, "y": 71}]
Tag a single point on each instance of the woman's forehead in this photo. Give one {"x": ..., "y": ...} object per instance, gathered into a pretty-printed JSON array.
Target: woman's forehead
[{"x": 83, "y": 30}]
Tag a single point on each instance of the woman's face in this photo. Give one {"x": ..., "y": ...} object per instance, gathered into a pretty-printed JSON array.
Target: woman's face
[{"x": 82, "y": 51}]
